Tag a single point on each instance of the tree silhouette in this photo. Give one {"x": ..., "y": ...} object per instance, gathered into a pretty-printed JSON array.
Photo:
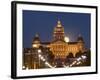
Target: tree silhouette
[
  {"x": 70, "y": 55},
  {"x": 88, "y": 60},
  {"x": 69, "y": 58},
  {"x": 78, "y": 54},
  {"x": 50, "y": 56}
]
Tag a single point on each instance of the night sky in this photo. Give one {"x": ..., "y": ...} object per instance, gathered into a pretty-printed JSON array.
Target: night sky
[{"x": 43, "y": 23}]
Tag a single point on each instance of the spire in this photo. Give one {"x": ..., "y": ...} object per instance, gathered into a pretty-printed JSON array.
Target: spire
[{"x": 59, "y": 23}]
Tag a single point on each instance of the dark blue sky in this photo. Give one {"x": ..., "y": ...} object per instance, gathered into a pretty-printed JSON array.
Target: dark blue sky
[{"x": 43, "y": 23}]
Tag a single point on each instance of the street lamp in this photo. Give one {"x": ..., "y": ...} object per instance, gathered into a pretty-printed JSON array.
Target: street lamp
[
  {"x": 39, "y": 50},
  {"x": 39, "y": 55},
  {"x": 23, "y": 67}
]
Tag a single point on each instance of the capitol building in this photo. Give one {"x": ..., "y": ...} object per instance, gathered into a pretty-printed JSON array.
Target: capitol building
[
  {"x": 60, "y": 46},
  {"x": 54, "y": 52}
]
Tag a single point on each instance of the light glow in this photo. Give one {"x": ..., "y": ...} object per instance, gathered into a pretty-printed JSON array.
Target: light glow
[
  {"x": 84, "y": 57},
  {"x": 66, "y": 39}
]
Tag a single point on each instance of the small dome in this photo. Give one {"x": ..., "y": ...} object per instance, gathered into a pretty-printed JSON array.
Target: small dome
[
  {"x": 36, "y": 39},
  {"x": 80, "y": 38}
]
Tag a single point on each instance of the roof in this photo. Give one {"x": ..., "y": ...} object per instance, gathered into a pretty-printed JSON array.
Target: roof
[
  {"x": 58, "y": 40},
  {"x": 72, "y": 42},
  {"x": 45, "y": 43}
]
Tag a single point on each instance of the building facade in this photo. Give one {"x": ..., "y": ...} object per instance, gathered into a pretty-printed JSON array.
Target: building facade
[{"x": 58, "y": 46}]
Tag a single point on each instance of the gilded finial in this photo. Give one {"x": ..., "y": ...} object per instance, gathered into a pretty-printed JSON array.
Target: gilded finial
[
  {"x": 36, "y": 35},
  {"x": 59, "y": 23}
]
